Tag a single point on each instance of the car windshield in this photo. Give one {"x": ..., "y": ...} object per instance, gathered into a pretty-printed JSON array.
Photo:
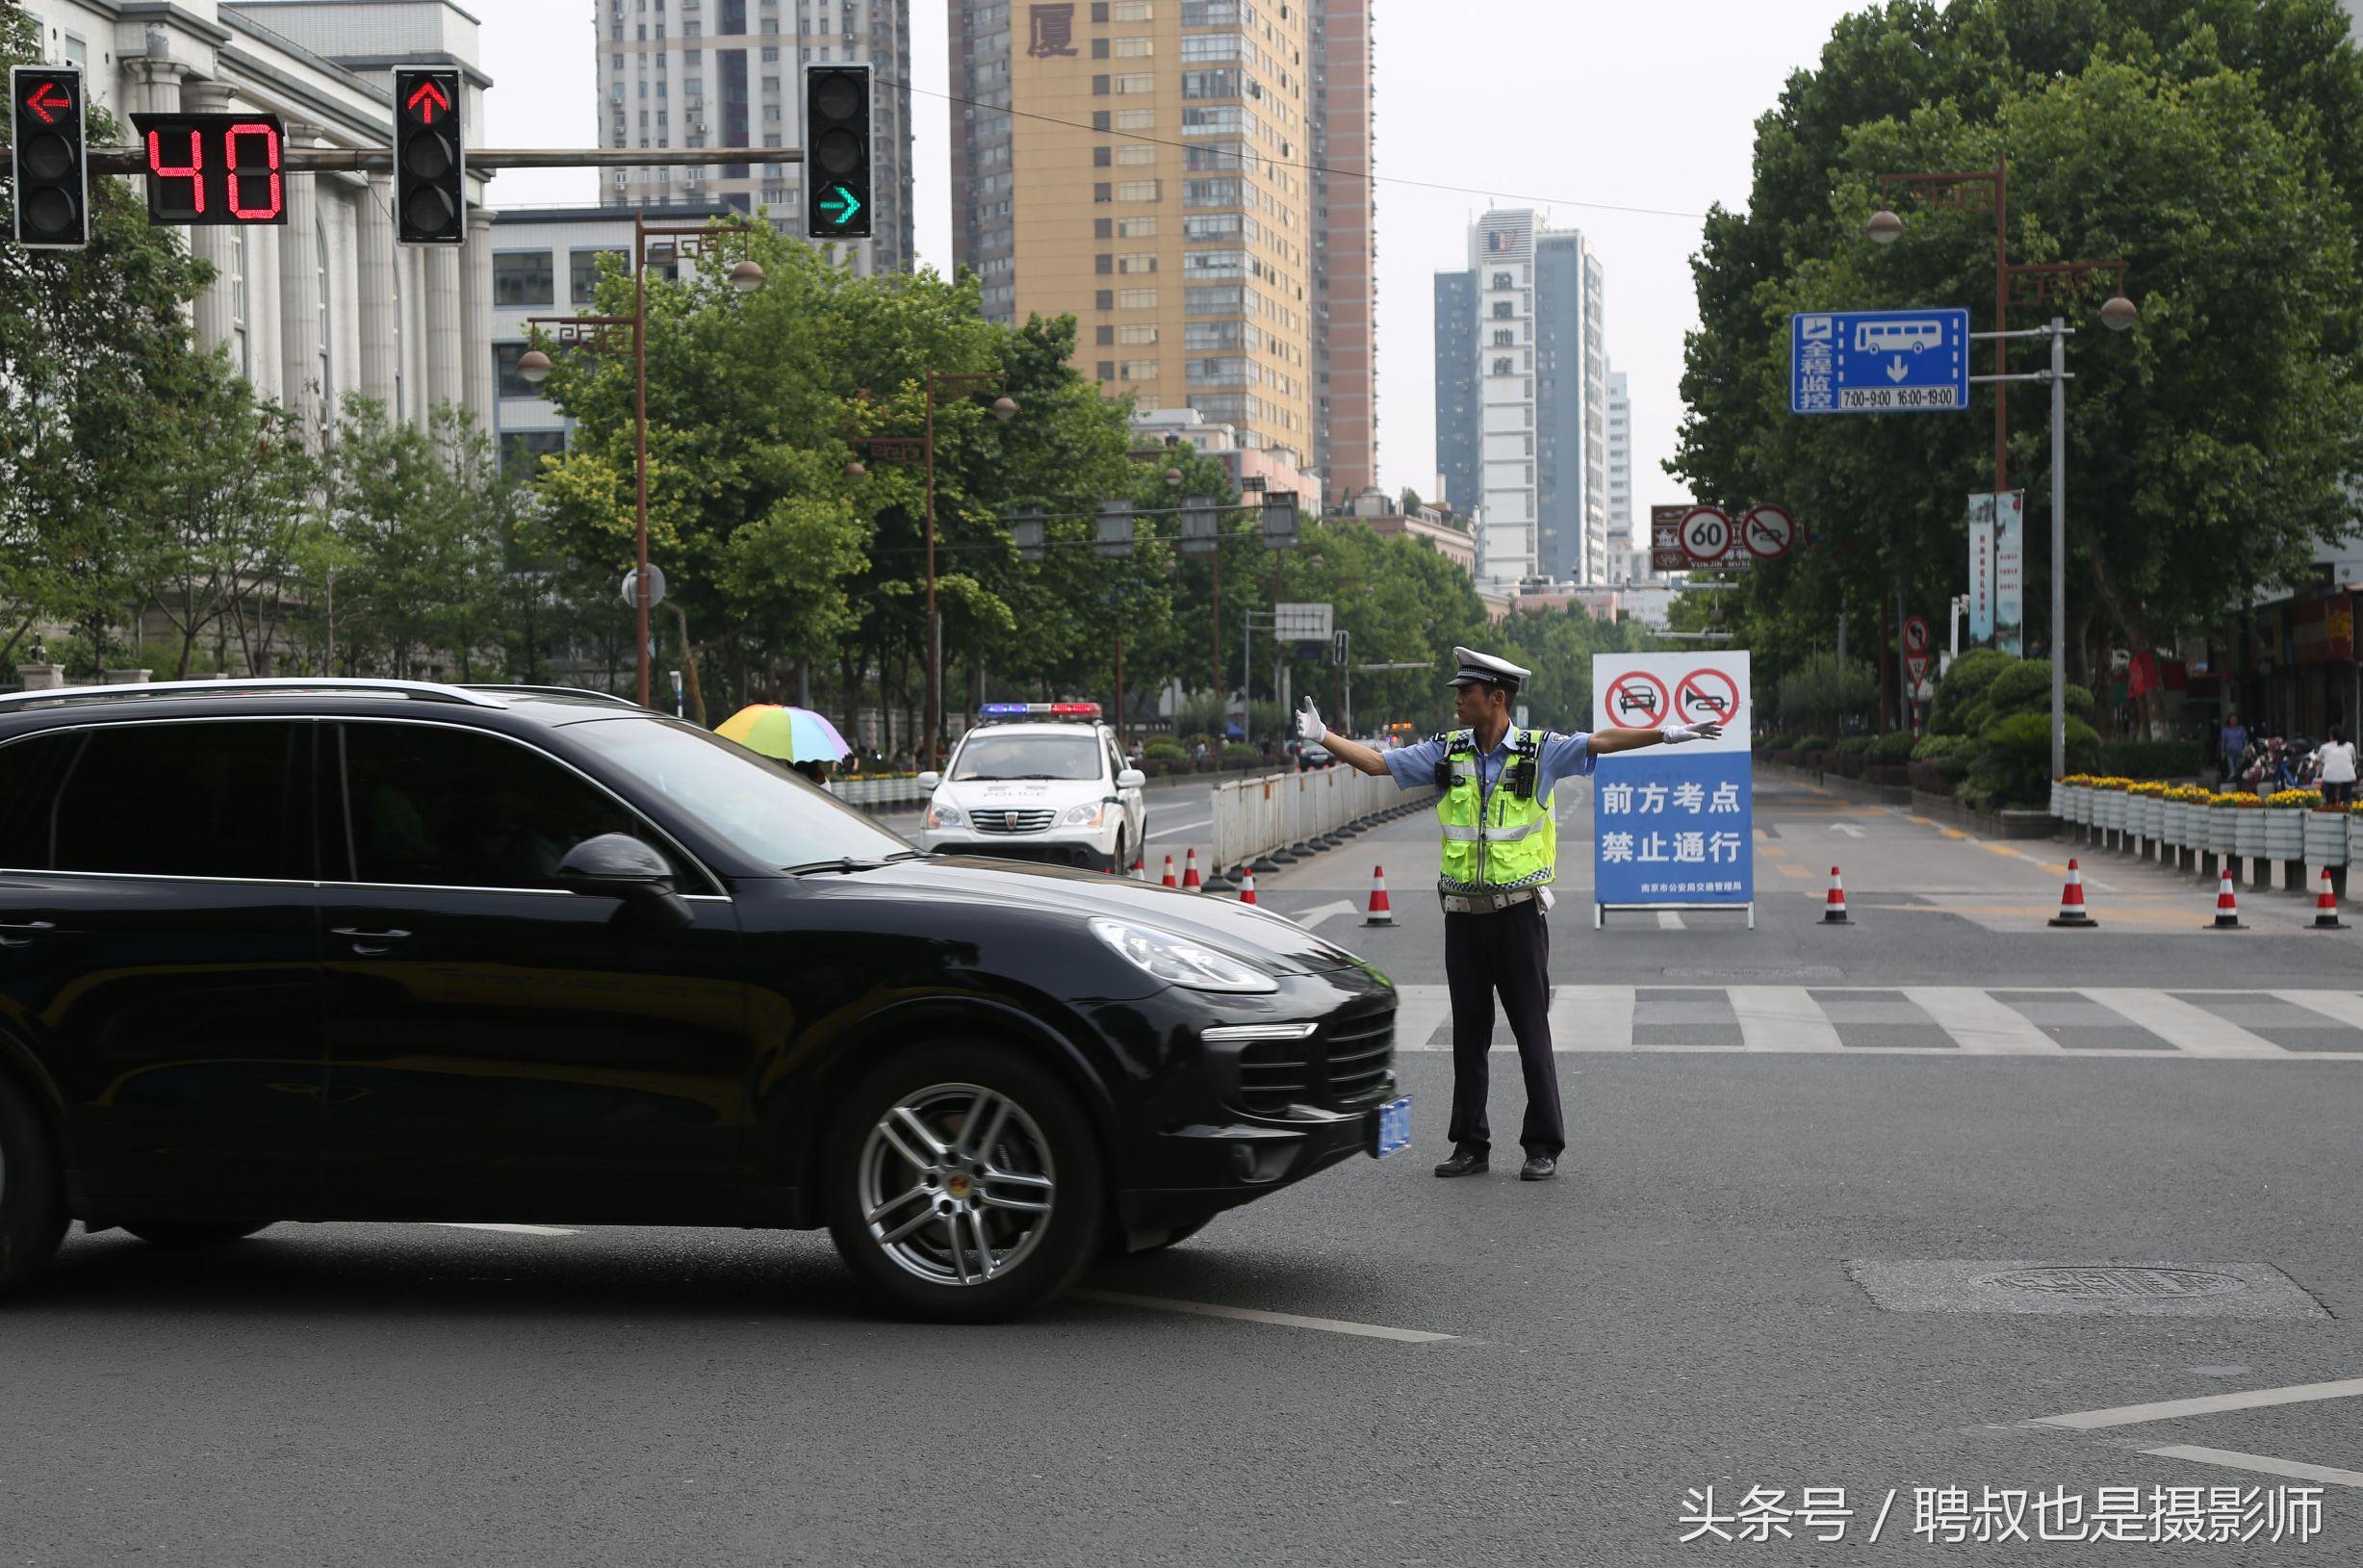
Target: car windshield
[
  {"x": 990, "y": 757},
  {"x": 759, "y": 806}
]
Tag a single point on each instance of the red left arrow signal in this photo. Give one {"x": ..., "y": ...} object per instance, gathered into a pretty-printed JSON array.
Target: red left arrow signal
[
  {"x": 46, "y": 98},
  {"x": 426, "y": 101}
]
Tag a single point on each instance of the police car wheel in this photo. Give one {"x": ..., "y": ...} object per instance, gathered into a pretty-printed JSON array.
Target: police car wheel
[
  {"x": 32, "y": 1202},
  {"x": 189, "y": 1235},
  {"x": 965, "y": 1184}
]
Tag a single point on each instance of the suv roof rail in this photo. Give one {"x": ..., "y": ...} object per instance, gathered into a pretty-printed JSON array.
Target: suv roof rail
[
  {"x": 520, "y": 689},
  {"x": 425, "y": 691}
]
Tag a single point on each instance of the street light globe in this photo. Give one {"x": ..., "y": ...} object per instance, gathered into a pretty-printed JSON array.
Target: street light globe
[
  {"x": 746, "y": 277},
  {"x": 854, "y": 468},
  {"x": 2120, "y": 313},
  {"x": 1004, "y": 407},
  {"x": 534, "y": 366},
  {"x": 1885, "y": 227}
]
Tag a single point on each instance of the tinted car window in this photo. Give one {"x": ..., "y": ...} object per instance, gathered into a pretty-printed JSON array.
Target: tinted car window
[
  {"x": 29, "y": 770},
  {"x": 431, "y": 806},
  {"x": 204, "y": 799}
]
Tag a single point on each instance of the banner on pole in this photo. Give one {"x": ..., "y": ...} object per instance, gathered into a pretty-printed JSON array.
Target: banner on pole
[
  {"x": 2010, "y": 573},
  {"x": 1673, "y": 827},
  {"x": 1980, "y": 568}
]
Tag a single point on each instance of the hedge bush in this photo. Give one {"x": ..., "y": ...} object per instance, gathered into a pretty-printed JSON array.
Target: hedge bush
[
  {"x": 2013, "y": 768},
  {"x": 1890, "y": 749},
  {"x": 2152, "y": 758},
  {"x": 1854, "y": 745},
  {"x": 1164, "y": 750},
  {"x": 1935, "y": 748},
  {"x": 1810, "y": 744}
]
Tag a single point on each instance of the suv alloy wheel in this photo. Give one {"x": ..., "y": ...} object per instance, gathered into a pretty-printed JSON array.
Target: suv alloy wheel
[{"x": 965, "y": 1184}]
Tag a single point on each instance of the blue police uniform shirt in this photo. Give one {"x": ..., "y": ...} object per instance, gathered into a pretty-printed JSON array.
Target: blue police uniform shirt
[{"x": 1563, "y": 757}]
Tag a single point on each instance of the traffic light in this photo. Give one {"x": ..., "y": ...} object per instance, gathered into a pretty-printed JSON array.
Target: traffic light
[
  {"x": 836, "y": 152},
  {"x": 53, "y": 170},
  {"x": 431, "y": 160}
]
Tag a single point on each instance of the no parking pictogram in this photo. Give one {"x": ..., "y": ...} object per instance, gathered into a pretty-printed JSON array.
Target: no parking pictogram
[
  {"x": 1705, "y": 697},
  {"x": 1638, "y": 700}
]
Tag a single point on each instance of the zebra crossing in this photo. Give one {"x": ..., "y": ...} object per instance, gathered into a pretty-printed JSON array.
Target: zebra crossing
[{"x": 2059, "y": 1022}]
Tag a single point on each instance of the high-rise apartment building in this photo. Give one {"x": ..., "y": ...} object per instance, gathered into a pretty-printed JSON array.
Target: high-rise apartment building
[
  {"x": 1525, "y": 332},
  {"x": 1146, "y": 166},
  {"x": 730, "y": 73},
  {"x": 1620, "y": 458}
]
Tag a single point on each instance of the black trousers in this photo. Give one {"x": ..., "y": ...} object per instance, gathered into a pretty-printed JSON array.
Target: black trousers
[{"x": 1508, "y": 952}]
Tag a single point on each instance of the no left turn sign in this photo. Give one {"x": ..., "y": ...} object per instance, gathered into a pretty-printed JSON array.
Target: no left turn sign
[
  {"x": 1705, "y": 697},
  {"x": 1638, "y": 700},
  {"x": 1917, "y": 635},
  {"x": 1706, "y": 534}
]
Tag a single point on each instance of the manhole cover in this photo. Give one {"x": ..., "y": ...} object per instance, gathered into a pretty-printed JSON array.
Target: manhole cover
[{"x": 2111, "y": 1282}]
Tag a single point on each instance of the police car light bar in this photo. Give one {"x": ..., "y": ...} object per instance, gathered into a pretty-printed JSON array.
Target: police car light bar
[{"x": 1054, "y": 710}]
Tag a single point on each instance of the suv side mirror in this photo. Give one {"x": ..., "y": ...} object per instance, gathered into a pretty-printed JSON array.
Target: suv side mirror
[
  {"x": 618, "y": 865},
  {"x": 930, "y": 779},
  {"x": 1130, "y": 779}
]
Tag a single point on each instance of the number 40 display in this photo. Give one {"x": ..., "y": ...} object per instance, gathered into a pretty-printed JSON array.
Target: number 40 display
[{"x": 213, "y": 169}]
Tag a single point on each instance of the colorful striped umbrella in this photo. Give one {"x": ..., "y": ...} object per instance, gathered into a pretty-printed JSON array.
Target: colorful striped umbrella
[{"x": 792, "y": 735}]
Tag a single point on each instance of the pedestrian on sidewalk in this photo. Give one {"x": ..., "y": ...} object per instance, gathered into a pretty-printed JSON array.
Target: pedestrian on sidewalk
[
  {"x": 1501, "y": 853},
  {"x": 2232, "y": 746},
  {"x": 2335, "y": 762}
]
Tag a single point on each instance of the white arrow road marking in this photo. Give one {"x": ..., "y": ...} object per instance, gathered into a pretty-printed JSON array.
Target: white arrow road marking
[
  {"x": 1314, "y": 917},
  {"x": 1846, "y": 828}
]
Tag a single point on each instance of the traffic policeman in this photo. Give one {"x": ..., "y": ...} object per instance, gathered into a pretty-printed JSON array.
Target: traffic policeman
[{"x": 1501, "y": 852}]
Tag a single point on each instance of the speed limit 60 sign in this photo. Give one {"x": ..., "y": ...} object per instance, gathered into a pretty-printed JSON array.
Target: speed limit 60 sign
[{"x": 1706, "y": 534}]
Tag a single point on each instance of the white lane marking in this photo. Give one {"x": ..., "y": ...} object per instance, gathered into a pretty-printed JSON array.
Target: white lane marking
[
  {"x": 1980, "y": 1022},
  {"x": 2205, "y": 1404},
  {"x": 1671, "y": 920},
  {"x": 1782, "y": 1019},
  {"x": 2262, "y": 1463},
  {"x": 509, "y": 1230},
  {"x": 1420, "y": 1012},
  {"x": 2343, "y": 1005},
  {"x": 1179, "y": 827},
  {"x": 1283, "y": 1320},
  {"x": 2183, "y": 1026},
  {"x": 1846, "y": 828},
  {"x": 1326, "y": 911},
  {"x": 1599, "y": 1015}
]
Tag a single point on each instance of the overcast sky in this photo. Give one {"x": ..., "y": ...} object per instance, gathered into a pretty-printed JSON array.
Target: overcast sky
[{"x": 1544, "y": 103}]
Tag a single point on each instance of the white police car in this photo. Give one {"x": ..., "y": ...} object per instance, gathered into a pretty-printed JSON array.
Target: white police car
[{"x": 1038, "y": 781}]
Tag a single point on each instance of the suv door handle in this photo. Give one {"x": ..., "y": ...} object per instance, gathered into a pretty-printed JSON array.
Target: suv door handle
[
  {"x": 21, "y": 932},
  {"x": 372, "y": 943}
]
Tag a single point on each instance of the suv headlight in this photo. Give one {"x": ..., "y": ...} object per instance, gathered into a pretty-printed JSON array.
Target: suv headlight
[
  {"x": 1180, "y": 962},
  {"x": 943, "y": 816},
  {"x": 1083, "y": 817}
]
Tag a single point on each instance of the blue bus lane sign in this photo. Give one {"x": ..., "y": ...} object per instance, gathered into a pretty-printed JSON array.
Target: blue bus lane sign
[
  {"x": 1878, "y": 361},
  {"x": 1674, "y": 826}
]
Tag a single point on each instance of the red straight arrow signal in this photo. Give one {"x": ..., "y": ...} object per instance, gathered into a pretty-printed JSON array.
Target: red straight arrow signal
[
  {"x": 426, "y": 101},
  {"x": 43, "y": 101}
]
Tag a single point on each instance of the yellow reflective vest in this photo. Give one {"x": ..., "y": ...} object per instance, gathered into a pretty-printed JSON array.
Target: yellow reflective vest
[{"x": 1497, "y": 840}]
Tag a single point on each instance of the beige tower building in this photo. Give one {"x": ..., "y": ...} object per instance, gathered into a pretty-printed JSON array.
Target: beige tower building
[{"x": 1157, "y": 181}]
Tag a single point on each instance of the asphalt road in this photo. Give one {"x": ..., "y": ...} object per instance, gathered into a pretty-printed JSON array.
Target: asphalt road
[{"x": 1811, "y": 1171}]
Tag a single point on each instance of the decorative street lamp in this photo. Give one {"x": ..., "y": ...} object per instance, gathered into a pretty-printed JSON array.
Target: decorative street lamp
[{"x": 601, "y": 334}]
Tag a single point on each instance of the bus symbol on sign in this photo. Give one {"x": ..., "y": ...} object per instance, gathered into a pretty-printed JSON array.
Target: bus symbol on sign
[{"x": 1892, "y": 337}]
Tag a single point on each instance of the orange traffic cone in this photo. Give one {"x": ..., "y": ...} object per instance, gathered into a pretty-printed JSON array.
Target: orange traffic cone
[
  {"x": 2325, "y": 906},
  {"x": 2227, "y": 905},
  {"x": 1381, "y": 912},
  {"x": 1168, "y": 872},
  {"x": 1139, "y": 869},
  {"x": 1246, "y": 887},
  {"x": 1834, "y": 911},
  {"x": 2071, "y": 903},
  {"x": 1190, "y": 872}
]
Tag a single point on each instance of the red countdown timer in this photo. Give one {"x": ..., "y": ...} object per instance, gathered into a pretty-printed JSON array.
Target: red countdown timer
[{"x": 213, "y": 169}]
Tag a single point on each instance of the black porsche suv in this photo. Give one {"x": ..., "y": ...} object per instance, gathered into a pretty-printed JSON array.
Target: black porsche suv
[{"x": 288, "y": 950}]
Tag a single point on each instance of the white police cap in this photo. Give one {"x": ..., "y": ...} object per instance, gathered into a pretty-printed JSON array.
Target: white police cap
[{"x": 1476, "y": 667}]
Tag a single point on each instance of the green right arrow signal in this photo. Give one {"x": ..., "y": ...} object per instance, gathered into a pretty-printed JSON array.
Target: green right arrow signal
[{"x": 840, "y": 205}]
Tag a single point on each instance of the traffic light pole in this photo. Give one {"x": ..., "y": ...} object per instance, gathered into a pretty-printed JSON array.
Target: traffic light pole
[{"x": 380, "y": 160}]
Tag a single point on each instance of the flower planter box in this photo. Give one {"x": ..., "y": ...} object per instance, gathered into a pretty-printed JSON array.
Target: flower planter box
[
  {"x": 2109, "y": 812},
  {"x": 2222, "y": 830},
  {"x": 2148, "y": 816},
  {"x": 2284, "y": 835},
  {"x": 2325, "y": 839},
  {"x": 2354, "y": 838},
  {"x": 2175, "y": 823},
  {"x": 2059, "y": 798},
  {"x": 2248, "y": 833}
]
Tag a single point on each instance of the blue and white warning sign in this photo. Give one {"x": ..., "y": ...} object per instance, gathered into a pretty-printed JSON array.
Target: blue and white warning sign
[{"x": 1674, "y": 826}]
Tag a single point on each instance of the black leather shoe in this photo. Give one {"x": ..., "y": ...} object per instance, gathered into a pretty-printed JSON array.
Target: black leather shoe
[
  {"x": 1540, "y": 1168},
  {"x": 1463, "y": 1162}
]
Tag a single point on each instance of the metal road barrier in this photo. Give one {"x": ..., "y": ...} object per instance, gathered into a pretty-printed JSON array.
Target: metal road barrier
[
  {"x": 870, "y": 794},
  {"x": 1288, "y": 814}
]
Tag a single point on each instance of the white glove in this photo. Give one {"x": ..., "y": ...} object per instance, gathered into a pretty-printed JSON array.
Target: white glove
[
  {"x": 1675, "y": 735},
  {"x": 1309, "y": 728}
]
